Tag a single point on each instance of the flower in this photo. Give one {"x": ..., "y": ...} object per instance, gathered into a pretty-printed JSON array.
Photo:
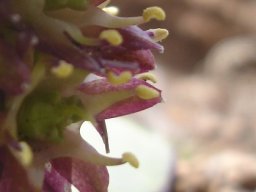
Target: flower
[
  {"x": 47, "y": 49},
  {"x": 104, "y": 100}
]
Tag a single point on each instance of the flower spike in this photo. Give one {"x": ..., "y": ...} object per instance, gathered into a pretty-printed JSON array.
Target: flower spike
[{"x": 47, "y": 49}]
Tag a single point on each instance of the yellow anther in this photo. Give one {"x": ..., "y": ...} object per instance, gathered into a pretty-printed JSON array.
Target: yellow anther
[
  {"x": 160, "y": 34},
  {"x": 147, "y": 76},
  {"x": 112, "y": 36},
  {"x": 131, "y": 159},
  {"x": 63, "y": 70},
  {"x": 122, "y": 78},
  {"x": 145, "y": 92},
  {"x": 153, "y": 13},
  {"x": 112, "y": 10},
  {"x": 25, "y": 155}
]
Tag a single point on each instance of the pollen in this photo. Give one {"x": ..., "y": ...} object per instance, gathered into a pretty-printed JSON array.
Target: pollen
[
  {"x": 63, "y": 70},
  {"x": 112, "y": 36},
  {"x": 122, "y": 78},
  {"x": 160, "y": 34},
  {"x": 153, "y": 13},
  {"x": 131, "y": 159},
  {"x": 25, "y": 155},
  {"x": 145, "y": 92},
  {"x": 147, "y": 76}
]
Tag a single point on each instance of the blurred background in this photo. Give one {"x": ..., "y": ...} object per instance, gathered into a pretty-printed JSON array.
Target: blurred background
[{"x": 207, "y": 75}]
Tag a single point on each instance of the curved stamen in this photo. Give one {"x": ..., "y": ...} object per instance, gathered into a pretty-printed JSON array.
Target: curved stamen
[
  {"x": 126, "y": 158},
  {"x": 74, "y": 146}
]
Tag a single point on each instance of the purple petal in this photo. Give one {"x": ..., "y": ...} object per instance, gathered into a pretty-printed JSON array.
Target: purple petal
[{"x": 63, "y": 172}]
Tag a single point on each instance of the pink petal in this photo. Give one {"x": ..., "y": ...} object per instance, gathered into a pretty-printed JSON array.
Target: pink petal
[{"x": 128, "y": 106}]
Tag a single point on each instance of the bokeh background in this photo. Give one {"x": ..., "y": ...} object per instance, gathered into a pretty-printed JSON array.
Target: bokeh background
[{"x": 207, "y": 75}]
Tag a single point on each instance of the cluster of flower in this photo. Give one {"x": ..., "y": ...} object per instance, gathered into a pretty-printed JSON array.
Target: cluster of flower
[{"x": 47, "y": 49}]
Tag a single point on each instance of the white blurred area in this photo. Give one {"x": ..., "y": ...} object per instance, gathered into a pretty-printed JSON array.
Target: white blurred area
[{"x": 151, "y": 148}]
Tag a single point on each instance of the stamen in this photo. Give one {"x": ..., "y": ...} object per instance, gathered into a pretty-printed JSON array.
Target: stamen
[
  {"x": 131, "y": 159},
  {"x": 153, "y": 13},
  {"x": 112, "y": 36},
  {"x": 63, "y": 70},
  {"x": 24, "y": 155},
  {"x": 159, "y": 34},
  {"x": 73, "y": 140},
  {"x": 145, "y": 92},
  {"x": 124, "y": 77},
  {"x": 147, "y": 76},
  {"x": 110, "y": 161},
  {"x": 112, "y": 10}
]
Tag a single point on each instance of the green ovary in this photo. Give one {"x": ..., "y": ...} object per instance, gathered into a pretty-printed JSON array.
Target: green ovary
[{"x": 44, "y": 115}]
